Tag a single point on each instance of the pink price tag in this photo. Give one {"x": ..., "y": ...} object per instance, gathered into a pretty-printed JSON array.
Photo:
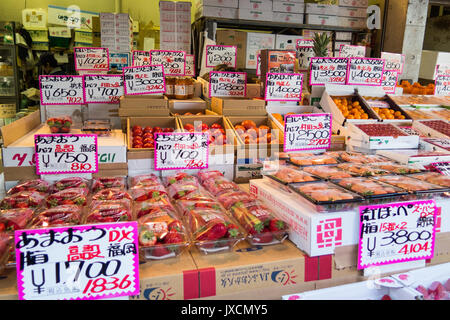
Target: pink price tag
[
  {"x": 365, "y": 71},
  {"x": 91, "y": 59},
  {"x": 227, "y": 84},
  {"x": 61, "y": 90},
  {"x": 173, "y": 62},
  {"x": 218, "y": 54},
  {"x": 140, "y": 58},
  {"x": 144, "y": 80},
  {"x": 283, "y": 87},
  {"x": 102, "y": 88},
  {"x": 390, "y": 79},
  {"x": 328, "y": 70}
]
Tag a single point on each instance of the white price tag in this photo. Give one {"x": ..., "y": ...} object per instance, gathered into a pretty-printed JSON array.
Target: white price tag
[
  {"x": 283, "y": 87},
  {"x": 227, "y": 84},
  {"x": 394, "y": 61},
  {"x": 305, "y": 51},
  {"x": 442, "y": 85},
  {"x": 91, "y": 59},
  {"x": 61, "y": 90},
  {"x": 102, "y": 88},
  {"x": 350, "y": 51},
  {"x": 217, "y": 55},
  {"x": 190, "y": 65},
  {"x": 365, "y": 71},
  {"x": 328, "y": 70},
  {"x": 174, "y": 62},
  {"x": 140, "y": 58},
  {"x": 389, "y": 82},
  {"x": 144, "y": 80}
]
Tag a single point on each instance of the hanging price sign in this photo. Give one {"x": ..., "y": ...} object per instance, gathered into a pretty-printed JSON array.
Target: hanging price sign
[
  {"x": 307, "y": 132},
  {"x": 227, "y": 84},
  {"x": 389, "y": 82},
  {"x": 394, "y": 61},
  {"x": 141, "y": 58},
  {"x": 84, "y": 262},
  {"x": 217, "y": 55},
  {"x": 102, "y": 88},
  {"x": 91, "y": 59},
  {"x": 190, "y": 66},
  {"x": 350, "y": 51},
  {"x": 328, "y": 71},
  {"x": 305, "y": 51},
  {"x": 441, "y": 167},
  {"x": 442, "y": 85},
  {"x": 396, "y": 232},
  {"x": 144, "y": 80},
  {"x": 181, "y": 150},
  {"x": 283, "y": 87},
  {"x": 174, "y": 62},
  {"x": 57, "y": 90},
  {"x": 365, "y": 71},
  {"x": 66, "y": 153}
]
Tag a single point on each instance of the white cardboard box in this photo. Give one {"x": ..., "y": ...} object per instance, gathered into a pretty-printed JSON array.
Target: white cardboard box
[
  {"x": 415, "y": 157},
  {"x": 216, "y": 12},
  {"x": 256, "y": 42},
  {"x": 259, "y": 5},
  {"x": 343, "y": 36},
  {"x": 354, "y": 3},
  {"x": 353, "y": 12},
  {"x": 255, "y": 14},
  {"x": 322, "y": 9},
  {"x": 218, "y": 3},
  {"x": 288, "y": 17},
  {"x": 428, "y": 63},
  {"x": 286, "y": 42},
  {"x": 324, "y": 20},
  {"x": 350, "y": 22},
  {"x": 288, "y": 7}
]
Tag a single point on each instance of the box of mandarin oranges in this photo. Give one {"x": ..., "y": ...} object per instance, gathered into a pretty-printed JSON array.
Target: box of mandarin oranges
[{"x": 387, "y": 110}]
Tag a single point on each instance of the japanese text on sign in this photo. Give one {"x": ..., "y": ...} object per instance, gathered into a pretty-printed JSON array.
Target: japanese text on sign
[
  {"x": 396, "y": 232},
  {"x": 217, "y": 55},
  {"x": 102, "y": 88},
  {"x": 442, "y": 69},
  {"x": 80, "y": 262},
  {"x": 389, "y": 82},
  {"x": 61, "y": 89},
  {"x": 140, "y": 58},
  {"x": 365, "y": 71},
  {"x": 144, "y": 80},
  {"x": 441, "y": 167},
  {"x": 307, "y": 132},
  {"x": 305, "y": 51},
  {"x": 66, "y": 153},
  {"x": 91, "y": 59},
  {"x": 173, "y": 62},
  {"x": 227, "y": 84},
  {"x": 394, "y": 61},
  {"x": 350, "y": 51},
  {"x": 328, "y": 71},
  {"x": 181, "y": 150},
  {"x": 442, "y": 85},
  {"x": 283, "y": 87},
  {"x": 190, "y": 66}
]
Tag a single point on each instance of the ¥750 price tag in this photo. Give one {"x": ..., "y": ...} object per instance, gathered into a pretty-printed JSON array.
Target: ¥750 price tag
[
  {"x": 80, "y": 262},
  {"x": 66, "y": 153},
  {"x": 181, "y": 150},
  {"x": 307, "y": 132},
  {"x": 396, "y": 232}
]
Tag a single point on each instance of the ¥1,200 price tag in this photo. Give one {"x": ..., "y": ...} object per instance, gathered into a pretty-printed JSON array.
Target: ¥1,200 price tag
[
  {"x": 227, "y": 84},
  {"x": 181, "y": 150},
  {"x": 284, "y": 87},
  {"x": 174, "y": 62},
  {"x": 91, "y": 59},
  {"x": 396, "y": 232},
  {"x": 102, "y": 88},
  {"x": 144, "y": 80},
  {"x": 61, "y": 90},
  {"x": 217, "y": 55},
  {"x": 66, "y": 153},
  {"x": 365, "y": 71},
  {"x": 328, "y": 71},
  {"x": 85, "y": 262},
  {"x": 442, "y": 85},
  {"x": 307, "y": 132}
]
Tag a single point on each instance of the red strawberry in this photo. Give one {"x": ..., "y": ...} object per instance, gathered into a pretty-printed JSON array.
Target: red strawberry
[
  {"x": 2, "y": 227},
  {"x": 232, "y": 230},
  {"x": 264, "y": 237},
  {"x": 160, "y": 251},
  {"x": 147, "y": 238},
  {"x": 217, "y": 231},
  {"x": 277, "y": 225},
  {"x": 173, "y": 237},
  {"x": 175, "y": 225}
]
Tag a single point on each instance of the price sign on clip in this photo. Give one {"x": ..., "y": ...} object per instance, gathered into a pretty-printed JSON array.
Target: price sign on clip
[
  {"x": 350, "y": 51},
  {"x": 66, "y": 153},
  {"x": 102, "y": 88},
  {"x": 174, "y": 62},
  {"x": 144, "y": 80},
  {"x": 396, "y": 232},
  {"x": 441, "y": 167},
  {"x": 84, "y": 262},
  {"x": 56, "y": 90},
  {"x": 227, "y": 84},
  {"x": 217, "y": 55},
  {"x": 307, "y": 132},
  {"x": 442, "y": 85},
  {"x": 181, "y": 150},
  {"x": 190, "y": 65},
  {"x": 328, "y": 71},
  {"x": 141, "y": 58},
  {"x": 305, "y": 51},
  {"x": 389, "y": 82},
  {"x": 91, "y": 59},
  {"x": 284, "y": 87},
  {"x": 365, "y": 71}
]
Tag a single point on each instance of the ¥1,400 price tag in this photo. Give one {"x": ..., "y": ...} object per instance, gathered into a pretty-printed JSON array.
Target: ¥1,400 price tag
[
  {"x": 390, "y": 79},
  {"x": 307, "y": 132},
  {"x": 174, "y": 62},
  {"x": 227, "y": 84},
  {"x": 102, "y": 88},
  {"x": 328, "y": 71},
  {"x": 217, "y": 55},
  {"x": 66, "y": 153},
  {"x": 61, "y": 90},
  {"x": 441, "y": 167},
  {"x": 144, "y": 80},
  {"x": 91, "y": 59},
  {"x": 396, "y": 232},
  {"x": 442, "y": 85},
  {"x": 365, "y": 71},
  {"x": 85, "y": 262},
  {"x": 140, "y": 58},
  {"x": 284, "y": 87},
  {"x": 181, "y": 150}
]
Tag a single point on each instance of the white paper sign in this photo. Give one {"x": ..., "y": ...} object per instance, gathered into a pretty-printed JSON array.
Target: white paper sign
[
  {"x": 442, "y": 85},
  {"x": 56, "y": 90},
  {"x": 441, "y": 167},
  {"x": 365, "y": 71},
  {"x": 227, "y": 84},
  {"x": 389, "y": 83},
  {"x": 217, "y": 55},
  {"x": 349, "y": 51},
  {"x": 394, "y": 61},
  {"x": 103, "y": 88},
  {"x": 91, "y": 59},
  {"x": 174, "y": 62},
  {"x": 283, "y": 87},
  {"x": 305, "y": 51},
  {"x": 144, "y": 80},
  {"x": 190, "y": 65},
  {"x": 141, "y": 58},
  {"x": 442, "y": 69},
  {"x": 328, "y": 70}
]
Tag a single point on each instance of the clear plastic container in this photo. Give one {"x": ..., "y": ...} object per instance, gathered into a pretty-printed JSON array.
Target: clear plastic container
[
  {"x": 38, "y": 185},
  {"x": 71, "y": 182},
  {"x": 321, "y": 159},
  {"x": 6, "y": 245},
  {"x": 433, "y": 177},
  {"x": 420, "y": 188},
  {"x": 109, "y": 212},
  {"x": 328, "y": 172},
  {"x": 60, "y": 216},
  {"x": 24, "y": 199},
  {"x": 101, "y": 128},
  {"x": 357, "y": 157},
  {"x": 290, "y": 174},
  {"x": 361, "y": 169},
  {"x": 71, "y": 196},
  {"x": 100, "y": 183},
  {"x": 15, "y": 219},
  {"x": 396, "y": 168}
]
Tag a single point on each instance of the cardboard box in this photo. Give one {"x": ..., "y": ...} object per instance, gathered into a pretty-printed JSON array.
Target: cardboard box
[
  {"x": 321, "y": 9},
  {"x": 238, "y": 107},
  {"x": 353, "y": 12},
  {"x": 323, "y": 20},
  {"x": 236, "y": 38},
  {"x": 191, "y": 105},
  {"x": 343, "y": 36},
  {"x": 434, "y": 144},
  {"x": 287, "y": 42},
  {"x": 253, "y": 90},
  {"x": 257, "y": 41},
  {"x": 428, "y": 131},
  {"x": 216, "y": 12},
  {"x": 416, "y": 157},
  {"x": 288, "y": 7},
  {"x": 218, "y": 3},
  {"x": 429, "y": 60},
  {"x": 288, "y": 18},
  {"x": 101, "y": 111},
  {"x": 350, "y": 22},
  {"x": 262, "y": 5},
  {"x": 143, "y": 105},
  {"x": 277, "y": 61},
  {"x": 255, "y": 14},
  {"x": 354, "y": 3}
]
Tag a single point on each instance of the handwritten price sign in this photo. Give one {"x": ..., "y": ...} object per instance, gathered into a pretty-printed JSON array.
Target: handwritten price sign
[
  {"x": 174, "y": 62},
  {"x": 144, "y": 80},
  {"x": 284, "y": 87},
  {"x": 91, "y": 59},
  {"x": 328, "y": 70},
  {"x": 442, "y": 85},
  {"x": 305, "y": 51},
  {"x": 365, "y": 71},
  {"x": 181, "y": 150},
  {"x": 102, "y": 88},
  {"x": 349, "y": 51},
  {"x": 441, "y": 167},
  {"x": 394, "y": 61},
  {"x": 396, "y": 232},
  {"x": 61, "y": 90},
  {"x": 66, "y": 153},
  {"x": 216, "y": 55},
  {"x": 227, "y": 84},
  {"x": 307, "y": 132},
  {"x": 389, "y": 82},
  {"x": 190, "y": 66},
  {"x": 442, "y": 69},
  {"x": 80, "y": 262},
  {"x": 141, "y": 58}
]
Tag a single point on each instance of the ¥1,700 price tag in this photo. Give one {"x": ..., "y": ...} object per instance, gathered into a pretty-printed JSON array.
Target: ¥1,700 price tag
[
  {"x": 91, "y": 59},
  {"x": 396, "y": 232},
  {"x": 389, "y": 82},
  {"x": 61, "y": 90},
  {"x": 441, "y": 167},
  {"x": 442, "y": 85},
  {"x": 140, "y": 58},
  {"x": 173, "y": 62},
  {"x": 328, "y": 71},
  {"x": 227, "y": 84},
  {"x": 284, "y": 87},
  {"x": 100, "y": 88},
  {"x": 217, "y": 55},
  {"x": 365, "y": 71},
  {"x": 144, "y": 80},
  {"x": 84, "y": 262},
  {"x": 181, "y": 150},
  {"x": 307, "y": 132},
  {"x": 66, "y": 153}
]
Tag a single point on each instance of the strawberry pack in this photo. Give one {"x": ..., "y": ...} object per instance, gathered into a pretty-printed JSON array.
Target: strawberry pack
[
  {"x": 23, "y": 199},
  {"x": 71, "y": 196},
  {"x": 6, "y": 244},
  {"x": 31, "y": 185},
  {"x": 60, "y": 216},
  {"x": 71, "y": 182},
  {"x": 15, "y": 219},
  {"x": 112, "y": 194},
  {"x": 100, "y": 183},
  {"x": 109, "y": 211},
  {"x": 59, "y": 124}
]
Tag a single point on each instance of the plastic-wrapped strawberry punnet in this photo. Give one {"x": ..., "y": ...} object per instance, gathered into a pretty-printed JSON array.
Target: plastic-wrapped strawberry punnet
[
  {"x": 71, "y": 196},
  {"x": 24, "y": 199},
  {"x": 145, "y": 180},
  {"x": 15, "y": 219},
  {"x": 109, "y": 211},
  {"x": 100, "y": 183},
  {"x": 148, "y": 193},
  {"x": 31, "y": 185},
  {"x": 71, "y": 182},
  {"x": 63, "y": 215},
  {"x": 219, "y": 185},
  {"x": 111, "y": 194},
  {"x": 204, "y": 175}
]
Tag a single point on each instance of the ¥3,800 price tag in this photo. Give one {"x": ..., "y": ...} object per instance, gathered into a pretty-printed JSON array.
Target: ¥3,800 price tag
[
  {"x": 227, "y": 84},
  {"x": 66, "y": 153},
  {"x": 181, "y": 150},
  {"x": 396, "y": 232},
  {"x": 307, "y": 132},
  {"x": 61, "y": 90},
  {"x": 284, "y": 87},
  {"x": 85, "y": 262}
]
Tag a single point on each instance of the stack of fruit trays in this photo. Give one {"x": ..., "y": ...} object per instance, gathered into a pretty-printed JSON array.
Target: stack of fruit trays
[
  {"x": 162, "y": 233},
  {"x": 212, "y": 230}
]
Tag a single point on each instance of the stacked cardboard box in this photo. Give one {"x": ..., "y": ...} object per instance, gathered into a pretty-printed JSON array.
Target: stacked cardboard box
[
  {"x": 321, "y": 14},
  {"x": 352, "y": 13},
  {"x": 260, "y": 10},
  {"x": 175, "y": 25},
  {"x": 217, "y": 9}
]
